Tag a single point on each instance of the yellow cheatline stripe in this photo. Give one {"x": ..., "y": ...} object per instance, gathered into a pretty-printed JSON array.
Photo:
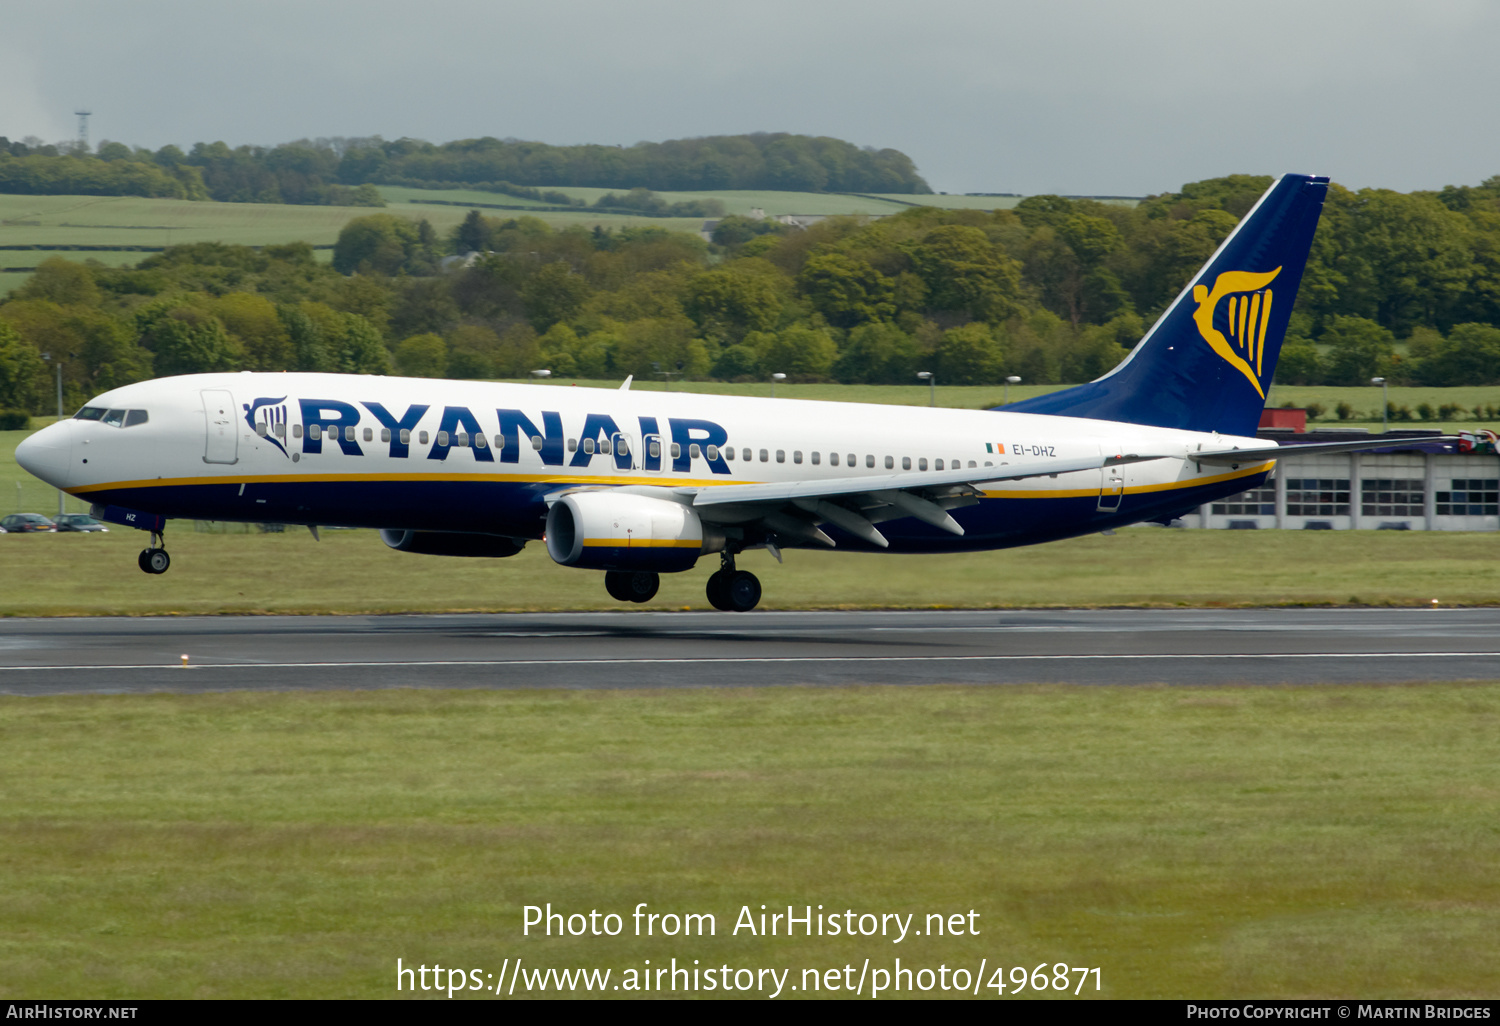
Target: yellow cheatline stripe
[
  {"x": 637, "y": 543},
  {"x": 565, "y": 479},
  {"x": 172, "y": 482},
  {"x": 1076, "y": 493}
]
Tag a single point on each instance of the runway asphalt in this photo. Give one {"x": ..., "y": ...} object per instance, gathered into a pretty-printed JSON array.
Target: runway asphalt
[{"x": 672, "y": 649}]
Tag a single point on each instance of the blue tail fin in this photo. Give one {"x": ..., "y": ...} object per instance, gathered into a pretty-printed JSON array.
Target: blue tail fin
[{"x": 1207, "y": 362}]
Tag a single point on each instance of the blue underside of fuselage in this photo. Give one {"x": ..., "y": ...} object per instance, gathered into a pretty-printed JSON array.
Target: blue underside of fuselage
[{"x": 519, "y": 510}]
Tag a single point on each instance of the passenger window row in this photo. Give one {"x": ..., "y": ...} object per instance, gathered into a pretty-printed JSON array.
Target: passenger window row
[{"x": 835, "y": 459}]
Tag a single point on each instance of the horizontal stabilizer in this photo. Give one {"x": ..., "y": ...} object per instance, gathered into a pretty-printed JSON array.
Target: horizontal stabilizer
[{"x": 1230, "y": 457}]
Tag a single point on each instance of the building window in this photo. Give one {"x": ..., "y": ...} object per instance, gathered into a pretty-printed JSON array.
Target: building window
[
  {"x": 1387, "y": 497},
  {"x": 1470, "y": 497},
  {"x": 1257, "y": 502},
  {"x": 1317, "y": 497}
]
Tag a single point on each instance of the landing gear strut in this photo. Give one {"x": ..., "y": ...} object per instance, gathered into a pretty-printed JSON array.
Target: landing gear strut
[
  {"x": 631, "y": 586},
  {"x": 734, "y": 591},
  {"x": 155, "y": 559}
]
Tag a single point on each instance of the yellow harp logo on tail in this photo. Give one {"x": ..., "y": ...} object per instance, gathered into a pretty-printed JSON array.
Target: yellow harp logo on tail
[{"x": 1249, "y": 313}]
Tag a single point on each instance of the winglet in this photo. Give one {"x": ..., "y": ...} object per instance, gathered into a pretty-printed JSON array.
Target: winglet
[{"x": 626, "y": 386}]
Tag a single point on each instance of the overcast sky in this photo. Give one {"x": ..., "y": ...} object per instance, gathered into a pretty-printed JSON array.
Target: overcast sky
[{"x": 1073, "y": 96}]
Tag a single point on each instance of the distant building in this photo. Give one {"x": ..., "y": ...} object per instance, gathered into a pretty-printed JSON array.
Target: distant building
[{"x": 1415, "y": 485}]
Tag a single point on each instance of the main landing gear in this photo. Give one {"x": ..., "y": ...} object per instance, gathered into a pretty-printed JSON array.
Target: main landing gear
[
  {"x": 155, "y": 559},
  {"x": 734, "y": 591},
  {"x": 632, "y": 586}
]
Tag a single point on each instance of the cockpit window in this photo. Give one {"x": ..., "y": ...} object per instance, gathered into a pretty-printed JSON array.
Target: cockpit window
[
  {"x": 114, "y": 418},
  {"x": 135, "y": 417},
  {"x": 90, "y": 413}
]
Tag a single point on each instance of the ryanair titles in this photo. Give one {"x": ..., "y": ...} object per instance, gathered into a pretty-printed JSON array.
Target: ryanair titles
[{"x": 333, "y": 425}]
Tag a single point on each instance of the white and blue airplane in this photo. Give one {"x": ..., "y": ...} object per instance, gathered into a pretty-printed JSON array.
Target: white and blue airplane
[{"x": 637, "y": 484}]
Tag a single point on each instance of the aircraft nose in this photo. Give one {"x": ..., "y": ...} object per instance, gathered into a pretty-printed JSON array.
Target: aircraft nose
[{"x": 47, "y": 454}]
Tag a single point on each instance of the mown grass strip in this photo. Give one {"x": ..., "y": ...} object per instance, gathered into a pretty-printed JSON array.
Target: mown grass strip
[{"x": 1227, "y": 842}]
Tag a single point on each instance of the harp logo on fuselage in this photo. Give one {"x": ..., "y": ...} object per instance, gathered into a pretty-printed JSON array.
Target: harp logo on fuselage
[{"x": 1248, "y": 313}]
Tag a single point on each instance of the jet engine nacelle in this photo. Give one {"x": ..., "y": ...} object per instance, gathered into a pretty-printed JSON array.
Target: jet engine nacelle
[
  {"x": 441, "y": 543},
  {"x": 613, "y": 530}
]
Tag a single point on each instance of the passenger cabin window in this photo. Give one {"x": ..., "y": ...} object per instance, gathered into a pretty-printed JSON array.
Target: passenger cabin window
[
  {"x": 349, "y": 434},
  {"x": 765, "y": 456},
  {"x": 296, "y": 430},
  {"x": 937, "y": 464},
  {"x": 369, "y": 435},
  {"x": 728, "y": 452},
  {"x": 461, "y": 440},
  {"x": 604, "y": 446},
  {"x": 385, "y": 434},
  {"x": 588, "y": 446},
  {"x": 655, "y": 450},
  {"x": 816, "y": 456},
  {"x": 833, "y": 459},
  {"x": 573, "y": 446},
  {"x": 676, "y": 451},
  {"x": 537, "y": 441},
  {"x": 693, "y": 451},
  {"x": 479, "y": 442},
  {"x": 499, "y": 441},
  {"x": 870, "y": 461},
  {"x": 853, "y": 460},
  {"x": 280, "y": 428},
  {"x": 442, "y": 438},
  {"x": 422, "y": 438},
  {"x": 713, "y": 452},
  {"x": 922, "y": 463},
  {"x": 135, "y": 417},
  {"x": 315, "y": 432},
  {"x": 780, "y": 455},
  {"x": 745, "y": 455},
  {"x": 797, "y": 456},
  {"x": 260, "y": 428},
  {"x": 890, "y": 463}
]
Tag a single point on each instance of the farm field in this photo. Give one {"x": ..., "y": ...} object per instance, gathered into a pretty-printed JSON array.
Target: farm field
[{"x": 1232, "y": 842}]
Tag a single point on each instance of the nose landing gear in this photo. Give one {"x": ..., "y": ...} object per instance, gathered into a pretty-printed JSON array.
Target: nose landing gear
[
  {"x": 734, "y": 591},
  {"x": 155, "y": 559}
]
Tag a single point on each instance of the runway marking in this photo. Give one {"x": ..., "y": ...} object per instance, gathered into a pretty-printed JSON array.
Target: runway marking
[{"x": 681, "y": 660}]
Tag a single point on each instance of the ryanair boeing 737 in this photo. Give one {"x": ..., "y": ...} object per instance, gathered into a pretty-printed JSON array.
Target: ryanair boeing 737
[{"x": 637, "y": 484}]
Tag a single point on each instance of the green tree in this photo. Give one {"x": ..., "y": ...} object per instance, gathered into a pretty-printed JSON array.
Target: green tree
[
  {"x": 422, "y": 356},
  {"x": 1359, "y": 350},
  {"x": 878, "y": 353},
  {"x": 1470, "y": 355},
  {"x": 970, "y": 355},
  {"x": 185, "y": 340},
  {"x": 554, "y": 293},
  {"x": 23, "y": 373},
  {"x": 964, "y": 271},
  {"x": 800, "y": 352},
  {"x": 63, "y": 282},
  {"x": 725, "y": 304},
  {"x": 847, "y": 290}
]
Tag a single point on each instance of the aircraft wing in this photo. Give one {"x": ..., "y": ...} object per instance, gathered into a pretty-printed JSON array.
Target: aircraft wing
[
  {"x": 1234, "y": 457},
  {"x": 857, "y": 504}
]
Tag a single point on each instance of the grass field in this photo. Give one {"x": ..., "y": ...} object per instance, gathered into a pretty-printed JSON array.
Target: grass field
[
  {"x": 1227, "y": 842},
  {"x": 353, "y": 572}
]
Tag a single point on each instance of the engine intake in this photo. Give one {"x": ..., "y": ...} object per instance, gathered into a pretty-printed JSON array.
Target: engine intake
[
  {"x": 612, "y": 530},
  {"x": 441, "y": 543}
]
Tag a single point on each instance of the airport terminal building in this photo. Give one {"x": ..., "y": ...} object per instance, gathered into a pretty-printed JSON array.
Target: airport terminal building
[{"x": 1415, "y": 485}]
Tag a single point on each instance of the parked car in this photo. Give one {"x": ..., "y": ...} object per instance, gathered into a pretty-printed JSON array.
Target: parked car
[
  {"x": 21, "y": 523},
  {"x": 78, "y": 522}
]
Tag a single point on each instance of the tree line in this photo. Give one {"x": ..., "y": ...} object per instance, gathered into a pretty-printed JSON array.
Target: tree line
[
  {"x": 343, "y": 171},
  {"x": 1402, "y": 285}
]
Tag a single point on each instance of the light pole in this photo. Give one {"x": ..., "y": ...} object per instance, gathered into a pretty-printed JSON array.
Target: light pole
[
  {"x": 58, "y": 365},
  {"x": 931, "y": 380},
  {"x": 778, "y": 376},
  {"x": 541, "y": 373},
  {"x": 1385, "y": 405},
  {"x": 1010, "y": 380}
]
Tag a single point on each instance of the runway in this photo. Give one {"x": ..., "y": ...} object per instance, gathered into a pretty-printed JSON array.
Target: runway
[{"x": 672, "y": 649}]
